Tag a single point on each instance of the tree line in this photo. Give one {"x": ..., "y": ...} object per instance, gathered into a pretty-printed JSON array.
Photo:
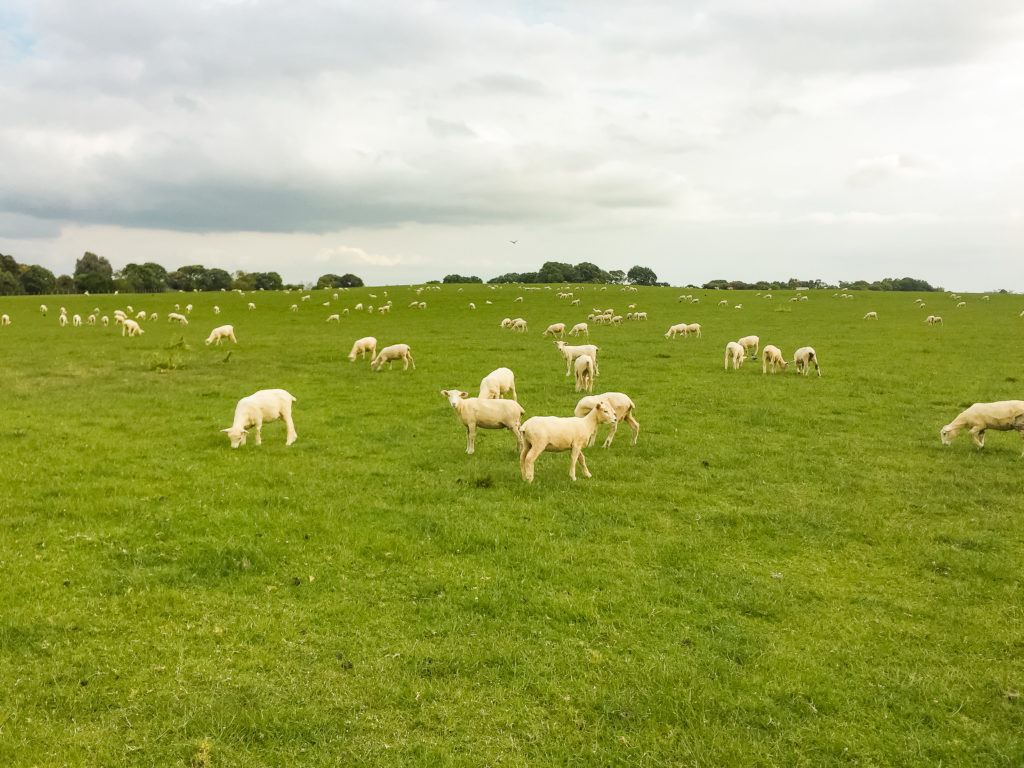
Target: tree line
[
  {"x": 887, "y": 284},
  {"x": 560, "y": 272}
]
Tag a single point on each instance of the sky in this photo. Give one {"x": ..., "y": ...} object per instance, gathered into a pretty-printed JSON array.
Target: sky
[{"x": 403, "y": 140}]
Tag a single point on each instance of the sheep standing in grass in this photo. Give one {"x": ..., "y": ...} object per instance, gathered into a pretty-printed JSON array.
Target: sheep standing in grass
[
  {"x": 620, "y": 404},
  {"x": 496, "y": 383},
  {"x": 361, "y": 347},
  {"x": 933, "y": 320},
  {"x": 556, "y": 434},
  {"x": 76, "y": 321},
  {"x": 803, "y": 359},
  {"x": 221, "y": 332},
  {"x": 43, "y": 309},
  {"x": 216, "y": 309},
  {"x": 519, "y": 325},
  {"x": 771, "y": 357},
  {"x": 580, "y": 328},
  {"x": 5, "y": 319},
  {"x": 335, "y": 318},
  {"x": 735, "y": 354},
  {"x": 105, "y": 320},
  {"x": 174, "y": 317},
  {"x": 390, "y": 354},
  {"x": 485, "y": 413},
  {"x": 555, "y": 329},
  {"x": 584, "y": 369},
  {"x": 252, "y": 411},
  {"x": 570, "y": 353},
  {"x": 130, "y": 327},
  {"x": 1000, "y": 416},
  {"x": 676, "y": 330},
  {"x": 871, "y": 316},
  {"x": 750, "y": 341}
]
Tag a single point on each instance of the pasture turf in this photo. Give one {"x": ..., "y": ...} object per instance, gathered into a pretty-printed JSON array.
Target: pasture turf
[{"x": 785, "y": 571}]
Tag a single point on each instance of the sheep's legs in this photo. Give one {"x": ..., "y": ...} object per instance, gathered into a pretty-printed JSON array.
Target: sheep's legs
[
  {"x": 519, "y": 437},
  {"x": 978, "y": 436},
  {"x": 577, "y": 455},
  {"x": 258, "y": 426},
  {"x": 634, "y": 425},
  {"x": 527, "y": 459},
  {"x": 611, "y": 435},
  {"x": 470, "y": 438}
]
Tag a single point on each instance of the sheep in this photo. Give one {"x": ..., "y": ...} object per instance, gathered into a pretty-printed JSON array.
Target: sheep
[
  {"x": 555, "y": 329},
  {"x": 130, "y": 327},
  {"x": 519, "y": 325},
  {"x": 1000, "y": 416},
  {"x": 574, "y": 302},
  {"x": 505, "y": 323},
  {"x": 177, "y": 307},
  {"x": 334, "y": 318},
  {"x": 871, "y": 316},
  {"x": 693, "y": 328},
  {"x": 723, "y": 303},
  {"x": 959, "y": 304},
  {"x": 43, "y": 309},
  {"x": 620, "y": 404},
  {"x": 640, "y": 316},
  {"x": 390, "y": 354},
  {"x": 76, "y": 321},
  {"x": 570, "y": 354},
  {"x": 520, "y": 298},
  {"x": 803, "y": 359},
  {"x": 292, "y": 308},
  {"x": 423, "y": 305},
  {"x": 738, "y": 306},
  {"x": 261, "y": 406},
  {"x": 933, "y": 320},
  {"x": 153, "y": 316},
  {"x": 221, "y": 332},
  {"x": 5, "y": 319},
  {"x": 472, "y": 305},
  {"x": 361, "y": 347},
  {"x": 216, "y": 309},
  {"x": 91, "y": 320},
  {"x": 735, "y": 354},
  {"x": 584, "y": 368},
  {"x": 556, "y": 434},
  {"x": 105, "y": 320},
  {"x": 750, "y": 341},
  {"x": 174, "y": 317},
  {"x": 63, "y": 320},
  {"x": 486, "y": 414},
  {"x": 140, "y": 315},
  {"x": 580, "y": 328},
  {"x": 676, "y": 330},
  {"x": 188, "y": 309},
  {"x": 496, "y": 383},
  {"x": 771, "y": 357},
  {"x": 251, "y": 306}
]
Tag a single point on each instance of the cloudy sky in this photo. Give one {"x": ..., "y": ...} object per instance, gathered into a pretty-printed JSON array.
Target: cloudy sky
[{"x": 402, "y": 140}]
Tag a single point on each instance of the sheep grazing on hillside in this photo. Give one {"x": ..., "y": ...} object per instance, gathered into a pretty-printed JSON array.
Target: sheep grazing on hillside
[
  {"x": 76, "y": 321},
  {"x": 580, "y": 328},
  {"x": 221, "y": 332},
  {"x": 257, "y": 408},
  {"x": 105, "y": 320},
  {"x": 803, "y": 358},
  {"x": 556, "y": 434},
  {"x": 519, "y": 325},
  {"x": 506, "y": 323},
  {"x": 5, "y": 319},
  {"x": 871, "y": 316},
  {"x": 693, "y": 328},
  {"x": 390, "y": 354},
  {"x": 90, "y": 320},
  {"x": 216, "y": 309},
  {"x": 555, "y": 329},
  {"x": 496, "y": 383},
  {"x": 62, "y": 320},
  {"x": 933, "y": 320},
  {"x": 486, "y": 414},
  {"x": 334, "y": 318},
  {"x": 252, "y": 306},
  {"x": 750, "y": 341},
  {"x": 43, "y": 309},
  {"x": 570, "y": 353},
  {"x": 676, "y": 330},
  {"x": 1000, "y": 416},
  {"x": 584, "y": 369},
  {"x": 130, "y": 327},
  {"x": 735, "y": 354},
  {"x": 361, "y": 347},
  {"x": 174, "y": 317},
  {"x": 771, "y": 357},
  {"x": 620, "y": 404}
]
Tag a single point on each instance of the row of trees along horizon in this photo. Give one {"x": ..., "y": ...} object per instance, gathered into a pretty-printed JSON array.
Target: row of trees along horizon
[{"x": 94, "y": 274}]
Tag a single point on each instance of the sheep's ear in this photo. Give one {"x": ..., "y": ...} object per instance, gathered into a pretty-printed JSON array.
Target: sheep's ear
[
  {"x": 226, "y": 430},
  {"x": 463, "y": 394}
]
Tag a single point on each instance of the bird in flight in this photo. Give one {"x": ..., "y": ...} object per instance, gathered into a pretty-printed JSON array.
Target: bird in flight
[{"x": 513, "y": 241}]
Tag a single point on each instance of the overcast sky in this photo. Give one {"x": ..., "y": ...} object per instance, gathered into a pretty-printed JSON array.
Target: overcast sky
[{"x": 404, "y": 140}]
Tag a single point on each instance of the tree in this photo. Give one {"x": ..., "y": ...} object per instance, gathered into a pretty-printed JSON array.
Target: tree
[
  {"x": 585, "y": 272},
  {"x": 348, "y": 280},
  {"x": 556, "y": 272},
  {"x": 215, "y": 280},
  {"x": 10, "y": 285},
  {"x": 187, "y": 278},
  {"x": 9, "y": 264},
  {"x": 37, "y": 280},
  {"x": 93, "y": 274},
  {"x": 267, "y": 281},
  {"x": 328, "y": 281},
  {"x": 143, "y": 278},
  {"x": 638, "y": 275},
  {"x": 65, "y": 284},
  {"x": 462, "y": 279},
  {"x": 617, "y": 276}
]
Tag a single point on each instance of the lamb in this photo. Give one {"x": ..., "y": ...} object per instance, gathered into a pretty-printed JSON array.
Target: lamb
[
  {"x": 1000, "y": 416},
  {"x": 76, "y": 321},
  {"x": 734, "y": 353},
  {"x": 803, "y": 359},
  {"x": 44, "y": 309},
  {"x": 91, "y": 320},
  {"x": 334, "y": 318},
  {"x": 556, "y": 434},
  {"x": 390, "y": 354},
  {"x": 63, "y": 320},
  {"x": 174, "y": 317},
  {"x": 933, "y": 320},
  {"x": 676, "y": 330},
  {"x": 570, "y": 353},
  {"x": 496, "y": 383},
  {"x": 519, "y": 325},
  {"x": 221, "y": 332},
  {"x": 252, "y": 306},
  {"x": 472, "y": 305},
  {"x": 750, "y": 341},
  {"x": 771, "y": 357},
  {"x": 555, "y": 329},
  {"x": 506, "y": 323},
  {"x": 871, "y": 316},
  {"x": 140, "y": 315},
  {"x": 105, "y": 320},
  {"x": 485, "y": 413},
  {"x": 188, "y": 309},
  {"x": 216, "y": 309},
  {"x": 580, "y": 328},
  {"x": 5, "y": 319},
  {"x": 584, "y": 368},
  {"x": 959, "y": 304},
  {"x": 261, "y": 406},
  {"x": 294, "y": 308},
  {"x": 130, "y": 327},
  {"x": 693, "y": 328},
  {"x": 620, "y": 404},
  {"x": 361, "y": 347},
  {"x": 153, "y": 316}
]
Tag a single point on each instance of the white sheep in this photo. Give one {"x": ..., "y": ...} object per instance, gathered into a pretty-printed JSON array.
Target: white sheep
[
  {"x": 130, "y": 327},
  {"x": 505, "y": 323},
  {"x": 257, "y": 408},
  {"x": 555, "y": 329},
  {"x": 76, "y": 321},
  {"x": 63, "y": 320},
  {"x": 570, "y": 353},
  {"x": 679, "y": 329},
  {"x": 693, "y": 328},
  {"x": 620, "y": 404},
  {"x": 580, "y": 328},
  {"x": 153, "y": 316},
  {"x": 174, "y": 317},
  {"x": 959, "y": 304},
  {"x": 472, "y": 305},
  {"x": 293, "y": 308},
  {"x": 251, "y": 306},
  {"x": 803, "y": 358},
  {"x": 486, "y": 414},
  {"x": 390, "y": 354},
  {"x": 496, "y": 383},
  {"x": 723, "y": 303},
  {"x": 105, "y": 320},
  {"x": 188, "y": 309},
  {"x": 334, "y": 318},
  {"x": 361, "y": 347},
  {"x": 771, "y": 357},
  {"x": 5, "y": 319},
  {"x": 933, "y": 320},
  {"x": 1000, "y": 416},
  {"x": 216, "y": 309},
  {"x": 221, "y": 332},
  {"x": 91, "y": 320},
  {"x": 140, "y": 315},
  {"x": 519, "y": 325},
  {"x": 750, "y": 341},
  {"x": 584, "y": 369},
  {"x": 44, "y": 309},
  {"x": 556, "y": 434},
  {"x": 870, "y": 316},
  {"x": 735, "y": 354}
]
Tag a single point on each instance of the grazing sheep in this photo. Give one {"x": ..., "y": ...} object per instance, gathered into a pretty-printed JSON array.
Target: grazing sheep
[
  {"x": 520, "y": 298},
  {"x": 188, "y": 309},
  {"x": 76, "y": 321},
  {"x": 693, "y": 328},
  {"x": 63, "y": 320},
  {"x": 221, "y": 332},
  {"x": 496, "y": 383},
  {"x": 620, "y": 404},
  {"x": 771, "y": 357},
  {"x": 871, "y": 316},
  {"x": 472, "y": 305},
  {"x": 959, "y": 304},
  {"x": 390, "y": 354},
  {"x": 130, "y": 327},
  {"x": 293, "y": 308},
  {"x": 216, "y": 309},
  {"x": 556, "y": 434},
  {"x": 334, "y": 318},
  {"x": 153, "y": 316},
  {"x": 1000, "y": 416},
  {"x": 252, "y": 306},
  {"x": 140, "y": 315},
  {"x": 933, "y": 320},
  {"x": 91, "y": 320},
  {"x": 723, "y": 303},
  {"x": 574, "y": 302},
  {"x": 44, "y": 309},
  {"x": 361, "y": 347},
  {"x": 105, "y": 320},
  {"x": 485, "y": 413},
  {"x": 580, "y": 328},
  {"x": 174, "y": 317},
  {"x": 750, "y": 341},
  {"x": 640, "y": 316},
  {"x": 584, "y": 368},
  {"x": 803, "y": 359},
  {"x": 570, "y": 354},
  {"x": 735, "y": 354},
  {"x": 555, "y": 329},
  {"x": 265, "y": 405},
  {"x": 506, "y": 323},
  {"x": 6, "y": 320},
  {"x": 676, "y": 330}
]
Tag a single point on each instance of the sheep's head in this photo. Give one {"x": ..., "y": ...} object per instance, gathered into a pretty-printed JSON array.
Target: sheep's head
[
  {"x": 946, "y": 434},
  {"x": 454, "y": 396},
  {"x": 605, "y": 413},
  {"x": 237, "y": 435}
]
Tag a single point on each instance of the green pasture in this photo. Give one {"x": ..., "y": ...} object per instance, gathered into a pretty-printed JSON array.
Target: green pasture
[{"x": 785, "y": 571}]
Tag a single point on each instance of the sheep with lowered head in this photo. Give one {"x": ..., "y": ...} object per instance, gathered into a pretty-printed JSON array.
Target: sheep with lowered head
[
  {"x": 803, "y": 358},
  {"x": 584, "y": 369},
  {"x": 1001, "y": 416},
  {"x": 486, "y": 414},
  {"x": 771, "y": 357},
  {"x": 556, "y": 434},
  {"x": 496, "y": 383},
  {"x": 623, "y": 407},
  {"x": 389, "y": 354},
  {"x": 735, "y": 354},
  {"x": 361, "y": 347},
  {"x": 261, "y": 406},
  {"x": 221, "y": 332},
  {"x": 750, "y": 341}
]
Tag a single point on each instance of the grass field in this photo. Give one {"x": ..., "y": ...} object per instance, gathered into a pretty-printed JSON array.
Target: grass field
[{"x": 786, "y": 570}]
